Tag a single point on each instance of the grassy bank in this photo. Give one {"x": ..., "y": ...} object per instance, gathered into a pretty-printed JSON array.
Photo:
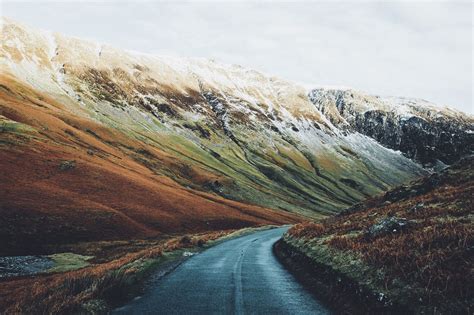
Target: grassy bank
[
  {"x": 102, "y": 284},
  {"x": 409, "y": 249}
]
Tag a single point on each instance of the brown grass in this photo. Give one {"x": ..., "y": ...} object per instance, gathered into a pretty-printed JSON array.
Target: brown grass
[
  {"x": 66, "y": 292},
  {"x": 108, "y": 195},
  {"x": 307, "y": 230},
  {"x": 434, "y": 253}
]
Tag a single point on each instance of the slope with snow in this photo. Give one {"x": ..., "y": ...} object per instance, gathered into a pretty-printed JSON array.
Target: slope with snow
[
  {"x": 431, "y": 135},
  {"x": 219, "y": 133}
]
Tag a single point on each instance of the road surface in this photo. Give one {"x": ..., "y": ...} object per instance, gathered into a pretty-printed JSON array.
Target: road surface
[{"x": 240, "y": 276}]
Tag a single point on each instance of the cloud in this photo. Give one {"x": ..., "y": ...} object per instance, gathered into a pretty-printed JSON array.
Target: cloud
[{"x": 418, "y": 49}]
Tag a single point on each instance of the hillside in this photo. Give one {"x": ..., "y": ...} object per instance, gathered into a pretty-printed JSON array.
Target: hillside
[
  {"x": 93, "y": 183},
  {"x": 408, "y": 250},
  {"x": 99, "y": 143},
  {"x": 429, "y": 134}
]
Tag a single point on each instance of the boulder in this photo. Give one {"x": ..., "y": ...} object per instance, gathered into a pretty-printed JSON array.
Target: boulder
[{"x": 389, "y": 225}]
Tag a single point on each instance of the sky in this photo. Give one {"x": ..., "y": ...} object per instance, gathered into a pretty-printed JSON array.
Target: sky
[{"x": 421, "y": 49}]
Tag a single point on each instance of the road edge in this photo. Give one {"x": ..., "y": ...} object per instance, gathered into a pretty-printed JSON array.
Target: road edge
[
  {"x": 337, "y": 291},
  {"x": 162, "y": 268}
]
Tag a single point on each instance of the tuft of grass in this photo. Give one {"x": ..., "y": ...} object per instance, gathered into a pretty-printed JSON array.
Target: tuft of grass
[{"x": 69, "y": 261}]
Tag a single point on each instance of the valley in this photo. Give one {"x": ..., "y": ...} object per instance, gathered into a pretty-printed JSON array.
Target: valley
[{"x": 115, "y": 163}]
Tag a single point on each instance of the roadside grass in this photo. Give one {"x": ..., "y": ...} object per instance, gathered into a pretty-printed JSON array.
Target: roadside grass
[
  {"x": 428, "y": 263},
  {"x": 238, "y": 233},
  {"x": 68, "y": 261},
  {"x": 94, "y": 288},
  {"x": 98, "y": 287}
]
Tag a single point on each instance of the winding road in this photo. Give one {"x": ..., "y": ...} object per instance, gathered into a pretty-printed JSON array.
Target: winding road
[{"x": 239, "y": 276}]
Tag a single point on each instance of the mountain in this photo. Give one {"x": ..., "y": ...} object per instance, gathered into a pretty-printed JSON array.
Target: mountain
[
  {"x": 100, "y": 143},
  {"x": 422, "y": 131}
]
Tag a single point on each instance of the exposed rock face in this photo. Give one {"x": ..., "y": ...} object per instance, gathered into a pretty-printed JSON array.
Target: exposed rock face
[{"x": 415, "y": 127}]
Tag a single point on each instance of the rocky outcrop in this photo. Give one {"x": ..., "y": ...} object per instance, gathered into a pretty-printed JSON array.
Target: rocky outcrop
[
  {"x": 386, "y": 226},
  {"x": 426, "y": 134}
]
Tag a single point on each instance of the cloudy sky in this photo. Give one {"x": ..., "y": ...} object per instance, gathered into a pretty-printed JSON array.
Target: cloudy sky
[{"x": 419, "y": 49}]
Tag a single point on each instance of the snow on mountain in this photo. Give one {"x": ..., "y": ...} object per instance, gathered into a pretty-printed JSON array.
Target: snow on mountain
[
  {"x": 423, "y": 131},
  {"x": 268, "y": 140}
]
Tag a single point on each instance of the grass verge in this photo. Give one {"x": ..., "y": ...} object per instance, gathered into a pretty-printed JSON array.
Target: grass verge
[
  {"x": 409, "y": 249},
  {"x": 96, "y": 288}
]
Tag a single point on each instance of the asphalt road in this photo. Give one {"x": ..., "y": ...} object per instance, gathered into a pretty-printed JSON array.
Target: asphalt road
[{"x": 240, "y": 276}]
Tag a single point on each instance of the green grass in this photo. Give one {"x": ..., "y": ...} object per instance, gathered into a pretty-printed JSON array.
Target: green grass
[
  {"x": 11, "y": 126},
  {"x": 69, "y": 261},
  {"x": 280, "y": 177}
]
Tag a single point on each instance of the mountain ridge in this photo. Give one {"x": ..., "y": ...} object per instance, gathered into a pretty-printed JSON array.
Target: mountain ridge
[
  {"x": 431, "y": 135},
  {"x": 218, "y": 133}
]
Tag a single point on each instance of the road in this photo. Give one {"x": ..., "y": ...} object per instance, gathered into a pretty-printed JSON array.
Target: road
[{"x": 239, "y": 276}]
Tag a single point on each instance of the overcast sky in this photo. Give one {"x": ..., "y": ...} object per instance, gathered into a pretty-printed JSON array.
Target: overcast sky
[{"x": 418, "y": 49}]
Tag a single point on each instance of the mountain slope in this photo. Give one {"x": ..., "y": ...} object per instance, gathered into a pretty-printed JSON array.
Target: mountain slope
[
  {"x": 66, "y": 179},
  {"x": 159, "y": 144},
  {"x": 419, "y": 129}
]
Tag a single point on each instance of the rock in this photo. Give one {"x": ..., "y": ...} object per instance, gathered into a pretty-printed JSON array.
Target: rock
[
  {"x": 388, "y": 225},
  {"x": 67, "y": 165},
  {"x": 214, "y": 186},
  {"x": 95, "y": 306},
  {"x": 11, "y": 266},
  {"x": 417, "y": 207}
]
